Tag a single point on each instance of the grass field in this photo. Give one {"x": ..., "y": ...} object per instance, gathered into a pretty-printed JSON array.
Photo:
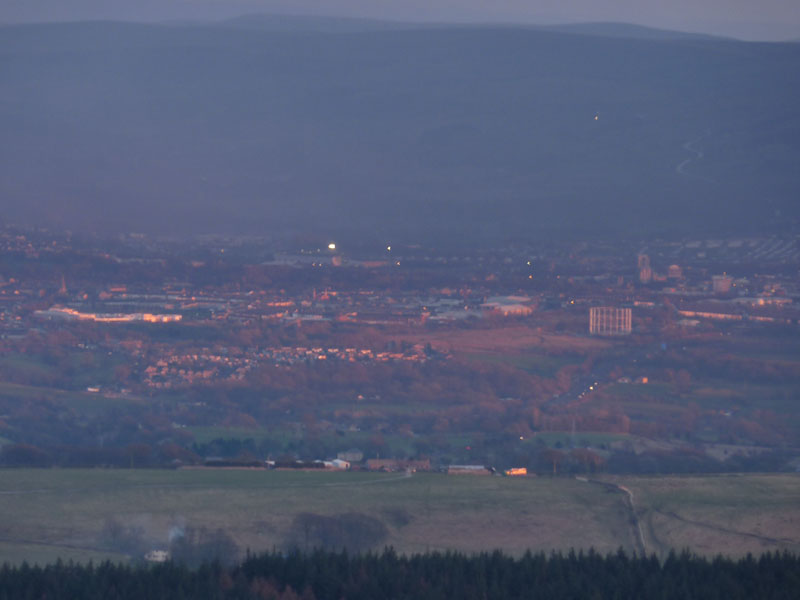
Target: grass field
[
  {"x": 506, "y": 339},
  {"x": 86, "y": 402},
  {"x": 24, "y": 364},
  {"x": 60, "y": 513},
  {"x": 735, "y": 514},
  {"x": 85, "y": 368},
  {"x": 532, "y": 361}
]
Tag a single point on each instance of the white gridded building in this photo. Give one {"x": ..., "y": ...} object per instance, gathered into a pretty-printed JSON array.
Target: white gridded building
[{"x": 607, "y": 320}]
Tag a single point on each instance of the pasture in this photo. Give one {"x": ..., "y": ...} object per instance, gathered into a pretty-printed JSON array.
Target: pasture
[{"x": 47, "y": 514}]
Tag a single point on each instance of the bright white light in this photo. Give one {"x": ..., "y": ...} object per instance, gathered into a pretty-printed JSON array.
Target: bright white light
[
  {"x": 331, "y": 246},
  {"x": 388, "y": 248}
]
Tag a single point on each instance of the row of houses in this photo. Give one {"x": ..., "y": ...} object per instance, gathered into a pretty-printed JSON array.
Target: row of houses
[{"x": 195, "y": 368}]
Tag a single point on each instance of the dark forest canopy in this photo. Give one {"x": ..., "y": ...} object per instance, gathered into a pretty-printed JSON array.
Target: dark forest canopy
[
  {"x": 323, "y": 575},
  {"x": 488, "y": 131}
]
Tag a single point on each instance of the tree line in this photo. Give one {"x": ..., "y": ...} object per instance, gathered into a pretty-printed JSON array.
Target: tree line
[{"x": 374, "y": 576}]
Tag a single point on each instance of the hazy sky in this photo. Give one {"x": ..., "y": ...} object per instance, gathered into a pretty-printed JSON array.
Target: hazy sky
[{"x": 746, "y": 19}]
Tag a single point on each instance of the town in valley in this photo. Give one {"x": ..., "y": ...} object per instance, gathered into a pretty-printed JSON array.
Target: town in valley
[{"x": 300, "y": 351}]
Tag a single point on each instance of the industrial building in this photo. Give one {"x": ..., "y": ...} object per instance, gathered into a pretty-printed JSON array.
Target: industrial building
[
  {"x": 721, "y": 284},
  {"x": 607, "y": 320}
]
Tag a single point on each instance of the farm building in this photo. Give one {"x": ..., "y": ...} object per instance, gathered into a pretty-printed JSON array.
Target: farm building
[
  {"x": 390, "y": 464},
  {"x": 516, "y": 472},
  {"x": 468, "y": 470}
]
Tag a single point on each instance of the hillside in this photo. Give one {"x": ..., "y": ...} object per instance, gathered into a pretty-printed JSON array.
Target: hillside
[{"x": 481, "y": 131}]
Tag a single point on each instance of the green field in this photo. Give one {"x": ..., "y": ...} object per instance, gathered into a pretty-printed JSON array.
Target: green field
[
  {"x": 544, "y": 365},
  {"x": 61, "y": 513},
  {"x": 735, "y": 514},
  {"x": 24, "y": 364},
  {"x": 80, "y": 368},
  {"x": 87, "y": 402}
]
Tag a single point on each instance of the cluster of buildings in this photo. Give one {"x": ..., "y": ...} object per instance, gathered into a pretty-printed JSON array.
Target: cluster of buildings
[
  {"x": 70, "y": 314},
  {"x": 723, "y": 280},
  {"x": 381, "y": 465},
  {"x": 359, "y": 306},
  {"x": 694, "y": 293},
  {"x": 177, "y": 370}
]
